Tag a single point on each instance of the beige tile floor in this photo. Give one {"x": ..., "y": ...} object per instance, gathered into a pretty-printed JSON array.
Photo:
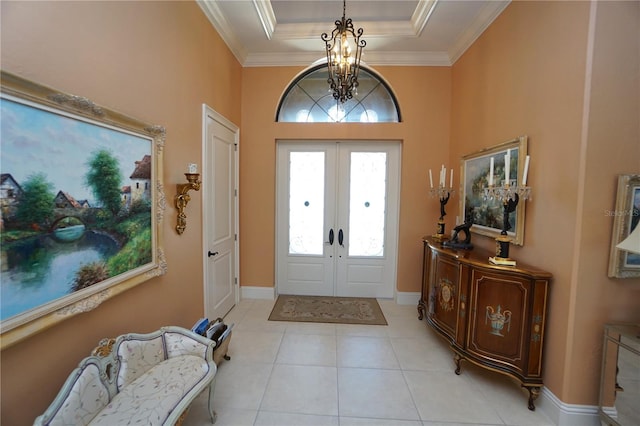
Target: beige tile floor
[{"x": 285, "y": 373}]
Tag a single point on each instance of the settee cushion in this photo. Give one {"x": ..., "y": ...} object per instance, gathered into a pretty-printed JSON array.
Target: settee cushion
[
  {"x": 149, "y": 398},
  {"x": 137, "y": 356},
  {"x": 87, "y": 397},
  {"x": 178, "y": 344}
]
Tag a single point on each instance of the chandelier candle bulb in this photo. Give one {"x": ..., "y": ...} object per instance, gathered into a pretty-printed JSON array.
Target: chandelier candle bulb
[
  {"x": 451, "y": 179},
  {"x": 430, "y": 178},
  {"x": 526, "y": 171},
  {"x": 507, "y": 166}
]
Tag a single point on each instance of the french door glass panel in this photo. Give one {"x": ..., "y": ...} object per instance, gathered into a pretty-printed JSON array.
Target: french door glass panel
[
  {"x": 306, "y": 203},
  {"x": 367, "y": 189}
]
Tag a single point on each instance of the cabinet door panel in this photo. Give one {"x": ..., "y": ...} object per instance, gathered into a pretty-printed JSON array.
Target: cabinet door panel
[
  {"x": 445, "y": 295},
  {"x": 498, "y": 320},
  {"x": 537, "y": 319}
]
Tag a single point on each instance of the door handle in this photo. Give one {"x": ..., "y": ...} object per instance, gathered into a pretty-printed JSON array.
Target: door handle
[
  {"x": 209, "y": 253},
  {"x": 331, "y": 236},
  {"x": 340, "y": 237}
]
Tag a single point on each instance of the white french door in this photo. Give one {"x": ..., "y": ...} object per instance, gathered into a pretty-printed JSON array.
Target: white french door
[{"x": 337, "y": 218}]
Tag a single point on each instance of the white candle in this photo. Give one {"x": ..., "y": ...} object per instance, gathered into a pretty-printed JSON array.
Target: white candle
[
  {"x": 430, "y": 178},
  {"x": 193, "y": 168},
  {"x": 526, "y": 170},
  {"x": 491, "y": 172},
  {"x": 507, "y": 166},
  {"x": 451, "y": 179},
  {"x": 444, "y": 176}
]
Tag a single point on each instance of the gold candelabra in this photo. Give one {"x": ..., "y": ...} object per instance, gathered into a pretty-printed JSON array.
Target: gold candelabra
[
  {"x": 183, "y": 198},
  {"x": 509, "y": 194}
]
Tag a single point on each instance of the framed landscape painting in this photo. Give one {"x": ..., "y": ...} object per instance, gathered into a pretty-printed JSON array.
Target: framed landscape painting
[
  {"x": 81, "y": 204},
  {"x": 487, "y": 213}
]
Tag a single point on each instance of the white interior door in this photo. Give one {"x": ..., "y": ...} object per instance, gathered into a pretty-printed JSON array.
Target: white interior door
[
  {"x": 220, "y": 214},
  {"x": 337, "y": 218}
]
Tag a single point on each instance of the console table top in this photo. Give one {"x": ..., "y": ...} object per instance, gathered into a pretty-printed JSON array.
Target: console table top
[{"x": 480, "y": 258}]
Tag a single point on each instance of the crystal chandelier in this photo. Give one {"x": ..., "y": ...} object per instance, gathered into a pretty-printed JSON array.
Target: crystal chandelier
[{"x": 343, "y": 64}]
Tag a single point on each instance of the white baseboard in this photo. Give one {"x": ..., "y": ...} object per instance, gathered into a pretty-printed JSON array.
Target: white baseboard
[
  {"x": 564, "y": 414},
  {"x": 264, "y": 293},
  {"x": 407, "y": 298}
]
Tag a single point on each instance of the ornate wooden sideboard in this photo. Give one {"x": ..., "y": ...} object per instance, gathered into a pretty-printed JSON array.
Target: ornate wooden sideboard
[{"x": 493, "y": 316}]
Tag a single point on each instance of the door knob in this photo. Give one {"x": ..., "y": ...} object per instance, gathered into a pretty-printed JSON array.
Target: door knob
[
  {"x": 209, "y": 254},
  {"x": 340, "y": 237},
  {"x": 331, "y": 236}
]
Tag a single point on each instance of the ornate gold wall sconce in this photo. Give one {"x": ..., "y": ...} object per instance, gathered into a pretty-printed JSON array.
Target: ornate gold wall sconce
[{"x": 183, "y": 197}]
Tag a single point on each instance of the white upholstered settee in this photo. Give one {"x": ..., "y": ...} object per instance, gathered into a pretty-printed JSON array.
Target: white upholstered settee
[{"x": 145, "y": 379}]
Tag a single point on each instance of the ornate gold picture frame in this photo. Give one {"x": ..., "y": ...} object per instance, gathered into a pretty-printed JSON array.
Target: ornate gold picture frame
[
  {"x": 626, "y": 218},
  {"x": 81, "y": 203},
  {"x": 486, "y": 212}
]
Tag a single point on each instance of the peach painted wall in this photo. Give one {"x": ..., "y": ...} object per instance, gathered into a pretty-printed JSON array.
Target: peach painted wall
[
  {"x": 424, "y": 97},
  {"x": 155, "y": 61},
  {"x": 529, "y": 73},
  {"x": 611, "y": 144}
]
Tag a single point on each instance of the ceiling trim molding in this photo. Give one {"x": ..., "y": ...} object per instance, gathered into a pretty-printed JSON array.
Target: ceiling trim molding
[
  {"x": 224, "y": 28},
  {"x": 301, "y": 31},
  {"x": 373, "y": 29},
  {"x": 421, "y": 15},
  {"x": 372, "y": 58},
  {"x": 484, "y": 19},
  {"x": 412, "y": 28},
  {"x": 267, "y": 16}
]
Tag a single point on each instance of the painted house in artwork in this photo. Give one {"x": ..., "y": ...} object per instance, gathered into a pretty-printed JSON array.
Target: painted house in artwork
[
  {"x": 125, "y": 195},
  {"x": 10, "y": 192},
  {"x": 64, "y": 200},
  {"x": 141, "y": 180}
]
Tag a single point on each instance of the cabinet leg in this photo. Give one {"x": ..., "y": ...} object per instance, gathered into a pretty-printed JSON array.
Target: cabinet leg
[
  {"x": 458, "y": 360},
  {"x": 421, "y": 310},
  {"x": 534, "y": 392}
]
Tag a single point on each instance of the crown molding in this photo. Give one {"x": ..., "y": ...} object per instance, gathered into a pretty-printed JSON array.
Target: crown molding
[
  {"x": 484, "y": 19},
  {"x": 267, "y": 16},
  {"x": 224, "y": 28},
  {"x": 421, "y": 15},
  {"x": 373, "y": 29},
  {"x": 412, "y": 28},
  {"x": 372, "y": 58}
]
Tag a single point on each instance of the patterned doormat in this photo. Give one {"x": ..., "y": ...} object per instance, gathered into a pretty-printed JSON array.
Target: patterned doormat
[{"x": 342, "y": 310}]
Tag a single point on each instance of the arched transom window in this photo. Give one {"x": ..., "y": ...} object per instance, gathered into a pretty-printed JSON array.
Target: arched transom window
[{"x": 308, "y": 99}]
